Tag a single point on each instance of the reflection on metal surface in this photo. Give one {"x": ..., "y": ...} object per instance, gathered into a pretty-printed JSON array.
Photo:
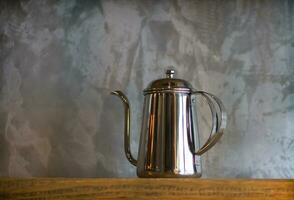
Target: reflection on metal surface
[{"x": 169, "y": 134}]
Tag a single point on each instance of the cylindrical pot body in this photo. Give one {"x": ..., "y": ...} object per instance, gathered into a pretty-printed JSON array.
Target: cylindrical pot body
[{"x": 164, "y": 148}]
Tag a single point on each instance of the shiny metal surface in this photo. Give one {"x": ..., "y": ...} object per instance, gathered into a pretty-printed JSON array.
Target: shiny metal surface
[
  {"x": 219, "y": 122},
  {"x": 127, "y": 133},
  {"x": 164, "y": 149},
  {"x": 170, "y": 73},
  {"x": 169, "y": 84},
  {"x": 169, "y": 143}
]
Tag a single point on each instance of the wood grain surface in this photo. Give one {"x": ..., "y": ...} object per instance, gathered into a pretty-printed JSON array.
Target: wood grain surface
[{"x": 52, "y": 188}]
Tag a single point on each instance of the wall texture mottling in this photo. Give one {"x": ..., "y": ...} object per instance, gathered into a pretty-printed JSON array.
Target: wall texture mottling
[{"x": 60, "y": 59}]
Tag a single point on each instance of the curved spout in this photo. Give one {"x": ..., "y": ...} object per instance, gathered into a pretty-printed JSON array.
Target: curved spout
[{"x": 126, "y": 126}]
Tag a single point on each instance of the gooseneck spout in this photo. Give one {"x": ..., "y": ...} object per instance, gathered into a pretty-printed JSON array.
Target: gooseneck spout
[{"x": 127, "y": 145}]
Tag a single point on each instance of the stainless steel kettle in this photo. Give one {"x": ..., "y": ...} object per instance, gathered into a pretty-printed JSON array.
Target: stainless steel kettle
[{"x": 169, "y": 142}]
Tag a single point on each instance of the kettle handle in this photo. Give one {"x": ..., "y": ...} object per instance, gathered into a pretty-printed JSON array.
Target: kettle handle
[{"x": 218, "y": 123}]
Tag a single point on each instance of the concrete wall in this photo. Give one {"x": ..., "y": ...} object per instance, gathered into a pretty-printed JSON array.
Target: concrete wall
[{"x": 60, "y": 59}]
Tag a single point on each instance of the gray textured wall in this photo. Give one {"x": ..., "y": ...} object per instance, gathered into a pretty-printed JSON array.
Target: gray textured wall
[{"x": 60, "y": 59}]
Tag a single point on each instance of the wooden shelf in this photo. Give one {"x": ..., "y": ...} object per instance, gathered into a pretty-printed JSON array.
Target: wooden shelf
[{"x": 61, "y": 188}]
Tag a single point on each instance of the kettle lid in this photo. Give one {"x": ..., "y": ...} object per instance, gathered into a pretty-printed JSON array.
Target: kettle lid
[{"x": 169, "y": 84}]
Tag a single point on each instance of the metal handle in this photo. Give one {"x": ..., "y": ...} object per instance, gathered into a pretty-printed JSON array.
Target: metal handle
[
  {"x": 127, "y": 126},
  {"x": 218, "y": 123}
]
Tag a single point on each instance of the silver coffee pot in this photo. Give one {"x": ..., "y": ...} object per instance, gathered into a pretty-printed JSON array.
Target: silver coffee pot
[{"x": 169, "y": 142}]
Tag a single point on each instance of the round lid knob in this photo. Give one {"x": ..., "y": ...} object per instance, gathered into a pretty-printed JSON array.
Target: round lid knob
[{"x": 170, "y": 73}]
